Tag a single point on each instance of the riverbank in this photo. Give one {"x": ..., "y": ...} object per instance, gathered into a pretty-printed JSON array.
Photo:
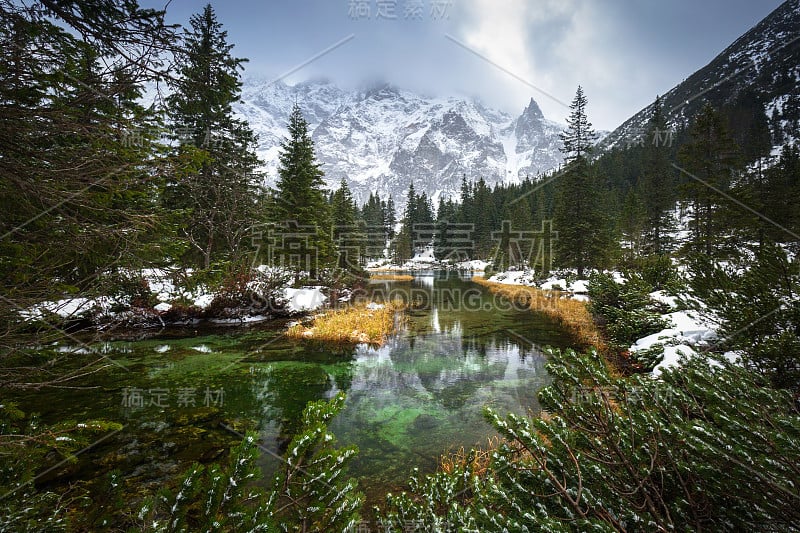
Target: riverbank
[
  {"x": 570, "y": 314},
  {"x": 181, "y": 297}
]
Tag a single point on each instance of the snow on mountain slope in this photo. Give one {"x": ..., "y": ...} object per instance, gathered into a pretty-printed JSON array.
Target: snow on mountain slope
[
  {"x": 384, "y": 138},
  {"x": 764, "y": 61}
]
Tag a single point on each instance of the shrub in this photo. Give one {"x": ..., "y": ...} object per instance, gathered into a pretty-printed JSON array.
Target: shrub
[
  {"x": 626, "y": 454},
  {"x": 755, "y": 299},
  {"x": 625, "y": 311},
  {"x": 129, "y": 288},
  {"x": 658, "y": 272},
  {"x": 245, "y": 291}
]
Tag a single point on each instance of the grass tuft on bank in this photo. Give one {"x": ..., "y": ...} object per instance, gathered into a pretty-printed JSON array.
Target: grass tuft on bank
[
  {"x": 367, "y": 324},
  {"x": 570, "y": 314},
  {"x": 391, "y": 277}
]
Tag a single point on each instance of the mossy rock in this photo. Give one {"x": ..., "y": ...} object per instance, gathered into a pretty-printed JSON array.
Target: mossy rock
[{"x": 425, "y": 421}]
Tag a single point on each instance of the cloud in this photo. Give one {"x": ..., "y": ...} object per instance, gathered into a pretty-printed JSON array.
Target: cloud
[
  {"x": 519, "y": 36},
  {"x": 555, "y": 45},
  {"x": 622, "y": 52}
]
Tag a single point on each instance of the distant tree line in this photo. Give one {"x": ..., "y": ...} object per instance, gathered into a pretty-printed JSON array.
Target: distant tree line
[{"x": 717, "y": 175}]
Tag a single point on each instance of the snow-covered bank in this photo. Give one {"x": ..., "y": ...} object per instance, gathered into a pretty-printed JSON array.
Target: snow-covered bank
[
  {"x": 688, "y": 333},
  {"x": 576, "y": 289},
  {"x": 426, "y": 260},
  {"x": 162, "y": 299}
]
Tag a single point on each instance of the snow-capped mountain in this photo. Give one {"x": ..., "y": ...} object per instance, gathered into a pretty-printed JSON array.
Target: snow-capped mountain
[
  {"x": 764, "y": 61},
  {"x": 383, "y": 138}
]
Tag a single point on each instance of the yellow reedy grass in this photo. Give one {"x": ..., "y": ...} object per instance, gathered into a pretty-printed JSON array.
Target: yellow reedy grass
[
  {"x": 478, "y": 458},
  {"x": 391, "y": 277},
  {"x": 571, "y": 314},
  {"x": 351, "y": 325}
]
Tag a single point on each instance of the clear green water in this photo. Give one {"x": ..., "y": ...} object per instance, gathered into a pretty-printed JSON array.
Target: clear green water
[{"x": 408, "y": 402}]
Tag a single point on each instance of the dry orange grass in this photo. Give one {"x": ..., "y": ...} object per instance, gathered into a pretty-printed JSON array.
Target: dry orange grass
[
  {"x": 351, "y": 325},
  {"x": 571, "y": 314},
  {"x": 391, "y": 277},
  {"x": 477, "y": 458}
]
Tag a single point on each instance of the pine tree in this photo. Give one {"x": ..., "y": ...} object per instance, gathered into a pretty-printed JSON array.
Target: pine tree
[
  {"x": 656, "y": 183},
  {"x": 624, "y": 454},
  {"x": 309, "y": 492},
  {"x": 755, "y": 300},
  {"x": 216, "y": 184},
  {"x": 390, "y": 218},
  {"x": 711, "y": 160},
  {"x": 584, "y": 230},
  {"x": 347, "y": 233},
  {"x": 579, "y": 136},
  {"x": 300, "y": 198}
]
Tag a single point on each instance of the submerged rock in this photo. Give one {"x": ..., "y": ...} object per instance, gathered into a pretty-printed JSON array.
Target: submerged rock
[{"x": 425, "y": 421}]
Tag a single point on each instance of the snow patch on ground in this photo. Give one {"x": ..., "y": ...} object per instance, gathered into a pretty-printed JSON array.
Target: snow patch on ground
[
  {"x": 305, "y": 299},
  {"x": 240, "y": 320},
  {"x": 475, "y": 265},
  {"x": 685, "y": 336},
  {"x": 578, "y": 289},
  {"x": 68, "y": 307},
  {"x": 425, "y": 259},
  {"x": 168, "y": 286}
]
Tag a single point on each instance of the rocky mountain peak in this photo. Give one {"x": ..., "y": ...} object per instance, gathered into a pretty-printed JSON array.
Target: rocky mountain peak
[
  {"x": 381, "y": 138},
  {"x": 532, "y": 111}
]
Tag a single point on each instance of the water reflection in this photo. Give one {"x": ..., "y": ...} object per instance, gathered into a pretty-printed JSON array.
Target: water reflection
[
  {"x": 423, "y": 393},
  {"x": 408, "y": 402}
]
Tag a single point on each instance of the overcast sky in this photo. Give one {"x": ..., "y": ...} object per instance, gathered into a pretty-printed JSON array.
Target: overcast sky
[{"x": 623, "y": 52}]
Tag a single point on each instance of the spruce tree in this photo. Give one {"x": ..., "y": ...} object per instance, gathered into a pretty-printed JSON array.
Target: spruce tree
[
  {"x": 215, "y": 185},
  {"x": 347, "y": 233},
  {"x": 466, "y": 211},
  {"x": 579, "y": 136},
  {"x": 584, "y": 230},
  {"x": 371, "y": 212},
  {"x": 632, "y": 223},
  {"x": 390, "y": 218},
  {"x": 510, "y": 250},
  {"x": 300, "y": 199},
  {"x": 404, "y": 243},
  {"x": 656, "y": 183},
  {"x": 444, "y": 246},
  {"x": 79, "y": 165},
  {"x": 710, "y": 160},
  {"x": 482, "y": 211}
]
